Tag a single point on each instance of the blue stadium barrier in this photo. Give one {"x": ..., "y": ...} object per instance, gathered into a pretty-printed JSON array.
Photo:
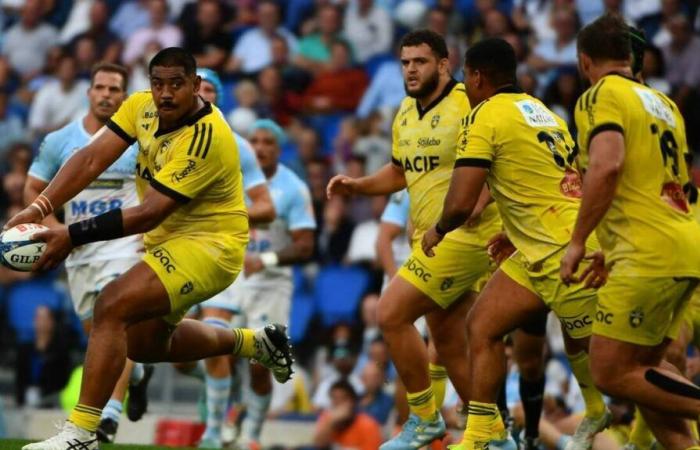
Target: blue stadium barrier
[
  {"x": 338, "y": 293},
  {"x": 22, "y": 301},
  {"x": 300, "y": 316}
]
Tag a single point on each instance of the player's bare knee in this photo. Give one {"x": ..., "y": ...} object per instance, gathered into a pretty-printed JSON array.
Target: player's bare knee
[
  {"x": 109, "y": 305},
  {"x": 606, "y": 375},
  {"x": 388, "y": 319},
  {"x": 675, "y": 354}
]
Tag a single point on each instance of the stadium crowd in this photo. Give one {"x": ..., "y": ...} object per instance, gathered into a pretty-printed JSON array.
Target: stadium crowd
[{"x": 327, "y": 71}]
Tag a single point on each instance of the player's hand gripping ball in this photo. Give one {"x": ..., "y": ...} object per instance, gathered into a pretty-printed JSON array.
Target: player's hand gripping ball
[{"x": 17, "y": 249}]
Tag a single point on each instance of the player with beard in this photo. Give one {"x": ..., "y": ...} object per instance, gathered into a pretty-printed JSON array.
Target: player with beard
[
  {"x": 92, "y": 266},
  {"x": 424, "y": 147}
]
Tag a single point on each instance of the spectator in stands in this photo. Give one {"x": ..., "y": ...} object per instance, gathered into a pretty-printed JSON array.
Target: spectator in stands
[
  {"x": 385, "y": 91},
  {"x": 307, "y": 148},
  {"x": 253, "y": 50},
  {"x": 158, "y": 30},
  {"x": 27, "y": 42},
  {"x": 109, "y": 47},
  {"x": 315, "y": 49},
  {"x": 85, "y": 51},
  {"x": 206, "y": 38},
  {"x": 336, "y": 230},
  {"x": 247, "y": 108},
  {"x": 552, "y": 54},
  {"x": 339, "y": 88},
  {"x": 293, "y": 78},
  {"x": 368, "y": 28},
  {"x": 131, "y": 16},
  {"x": 58, "y": 101},
  {"x": 18, "y": 158},
  {"x": 373, "y": 144},
  {"x": 11, "y": 125},
  {"x": 562, "y": 94},
  {"x": 375, "y": 402},
  {"x": 669, "y": 9},
  {"x": 654, "y": 69},
  {"x": 681, "y": 59},
  {"x": 279, "y": 103},
  {"x": 342, "y": 426},
  {"x": 13, "y": 186},
  {"x": 343, "y": 360},
  {"x": 139, "y": 79}
]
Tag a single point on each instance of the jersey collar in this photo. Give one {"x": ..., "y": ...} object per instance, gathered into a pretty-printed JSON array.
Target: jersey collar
[
  {"x": 445, "y": 92},
  {"x": 187, "y": 121},
  {"x": 620, "y": 74},
  {"x": 509, "y": 89}
]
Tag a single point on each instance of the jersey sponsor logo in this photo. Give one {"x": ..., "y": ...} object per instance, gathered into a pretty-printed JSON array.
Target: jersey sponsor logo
[
  {"x": 165, "y": 259},
  {"x": 636, "y": 317},
  {"x": 177, "y": 177},
  {"x": 421, "y": 163},
  {"x": 604, "y": 317},
  {"x": 428, "y": 142},
  {"x": 106, "y": 184},
  {"x": 150, "y": 114},
  {"x": 145, "y": 173},
  {"x": 435, "y": 120},
  {"x": 672, "y": 193},
  {"x": 571, "y": 185},
  {"x": 655, "y": 106},
  {"x": 415, "y": 267},
  {"x": 404, "y": 142},
  {"x": 535, "y": 114},
  {"x": 577, "y": 322},
  {"x": 94, "y": 208}
]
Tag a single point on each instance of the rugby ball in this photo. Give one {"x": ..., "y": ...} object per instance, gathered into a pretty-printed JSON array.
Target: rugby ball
[{"x": 17, "y": 249}]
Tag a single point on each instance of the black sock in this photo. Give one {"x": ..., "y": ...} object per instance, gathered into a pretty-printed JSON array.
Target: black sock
[
  {"x": 503, "y": 405},
  {"x": 531, "y": 394}
]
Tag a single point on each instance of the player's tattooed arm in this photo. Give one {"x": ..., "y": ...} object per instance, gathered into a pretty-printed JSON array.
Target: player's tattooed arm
[{"x": 607, "y": 154}]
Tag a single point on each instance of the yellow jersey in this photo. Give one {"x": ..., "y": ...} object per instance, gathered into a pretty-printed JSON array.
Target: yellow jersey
[
  {"x": 531, "y": 158},
  {"x": 195, "y": 163},
  {"x": 425, "y": 146},
  {"x": 649, "y": 229}
]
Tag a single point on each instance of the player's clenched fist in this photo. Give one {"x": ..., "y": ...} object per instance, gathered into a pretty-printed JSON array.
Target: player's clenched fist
[{"x": 341, "y": 185}]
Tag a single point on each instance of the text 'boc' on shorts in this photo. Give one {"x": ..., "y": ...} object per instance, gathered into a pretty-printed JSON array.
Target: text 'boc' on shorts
[
  {"x": 642, "y": 310},
  {"x": 194, "y": 269},
  {"x": 574, "y": 305},
  {"x": 455, "y": 269}
]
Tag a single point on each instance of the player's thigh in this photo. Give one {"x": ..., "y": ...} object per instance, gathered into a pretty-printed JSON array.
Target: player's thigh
[
  {"x": 450, "y": 325},
  {"x": 149, "y": 340},
  {"x": 192, "y": 270},
  {"x": 402, "y": 303},
  {"x": 610, "y": 357},
  {"x": 505, "y": 303},
  {"x": 267, "y": 304},
  {"x": 642, "y": 310},
  {"x": 455, "y": 270},
  {"x": 134, "y": 296}
]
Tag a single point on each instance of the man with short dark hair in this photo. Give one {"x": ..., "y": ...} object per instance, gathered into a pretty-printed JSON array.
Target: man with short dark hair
[
  {"x": 92, "y": 266},
  {"x": 527, "y": 156},
  {"x": 195, "y": 227},
  {"x": 633, "y": 198},
  {"x": 425, "y": 133}
]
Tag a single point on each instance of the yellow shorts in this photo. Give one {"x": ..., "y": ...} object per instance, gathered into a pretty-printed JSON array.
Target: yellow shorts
[
  {"x": 691, "y": 317},
  {"x": 455, "y": 269},
  {"x": 642, "y": 310},
  {"x": 193, "y": 270},
  {"x": 574, "y": 305}
]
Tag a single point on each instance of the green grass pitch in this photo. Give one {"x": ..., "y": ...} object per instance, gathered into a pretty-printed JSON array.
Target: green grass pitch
[{"x": 10, "y": 444}]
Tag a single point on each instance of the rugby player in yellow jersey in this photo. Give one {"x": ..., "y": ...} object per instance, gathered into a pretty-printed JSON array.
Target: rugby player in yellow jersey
[
  {"x": 424, "y": 147},
  {"x": 527, "y": 156},
  {"x": 195, "y": 230},
  {"x": 633, "y": 199}
]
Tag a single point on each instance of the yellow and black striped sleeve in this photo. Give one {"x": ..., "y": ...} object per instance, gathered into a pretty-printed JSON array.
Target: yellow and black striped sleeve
[
  {"x": 194, "y": 166},
  {"x": 475, "y": 146}
]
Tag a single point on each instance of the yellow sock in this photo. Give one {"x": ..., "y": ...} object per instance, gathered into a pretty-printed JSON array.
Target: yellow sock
[
  {"x": 484, "y": 423},
  {"x": 86, "y": 417},
  {"x": 422, "y": 403},
  {"x": 245, "y": 342},
  {"x": 640, "y": 434},
  {"x": 438, "y": 381},
  {"x": 595, "y": 406}
]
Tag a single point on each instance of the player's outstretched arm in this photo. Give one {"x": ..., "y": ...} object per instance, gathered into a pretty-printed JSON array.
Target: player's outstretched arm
[
  {"x": 387, "y": 180},
  {"x": 261, "y": 209},
  {"x": 462, "y": 197},
  {"x": 607, "y": 154},
  {"x": 80, "y": 170}
]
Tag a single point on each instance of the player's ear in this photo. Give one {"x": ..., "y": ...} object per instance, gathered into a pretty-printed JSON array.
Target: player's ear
[
  {"x": 444, "y": 65},
  {"x": 197, "y": 83}
]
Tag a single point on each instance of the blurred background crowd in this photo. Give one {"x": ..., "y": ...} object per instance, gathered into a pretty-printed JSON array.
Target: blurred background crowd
[{"x": 326, "y": 70}]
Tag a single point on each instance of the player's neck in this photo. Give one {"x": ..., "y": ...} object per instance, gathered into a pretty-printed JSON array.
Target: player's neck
[
  {"x": 92, "y": 124},
  {"x": 609, "y": 67},
  {"x": 426, "y": 101},
  {"x": 270, "y": 171}
]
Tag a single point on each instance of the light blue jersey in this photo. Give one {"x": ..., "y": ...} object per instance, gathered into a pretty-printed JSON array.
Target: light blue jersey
[
  {"x": 292, "y": 201},
  {"x": 252, "y": 174},
  {"x": 114, "y": 188},
  {"x": 396, "y": 210}
]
